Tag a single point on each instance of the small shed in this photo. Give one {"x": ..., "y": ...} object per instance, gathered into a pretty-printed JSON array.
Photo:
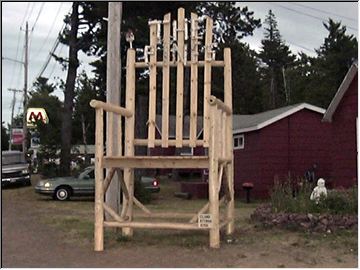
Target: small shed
[
  {"x": 342, "y": 115},
  {"x": 279, "y": 143}
]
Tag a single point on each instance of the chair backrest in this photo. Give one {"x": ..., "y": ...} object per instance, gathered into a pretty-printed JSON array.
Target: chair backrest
[{"x": 176, "y": 36}]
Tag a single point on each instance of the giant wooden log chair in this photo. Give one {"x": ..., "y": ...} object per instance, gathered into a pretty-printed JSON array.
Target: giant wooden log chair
[{"x": 217, "y": 134}]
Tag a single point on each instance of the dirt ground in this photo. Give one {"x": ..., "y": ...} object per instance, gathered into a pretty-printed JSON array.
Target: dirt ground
[{"x": 40, "y": 232}]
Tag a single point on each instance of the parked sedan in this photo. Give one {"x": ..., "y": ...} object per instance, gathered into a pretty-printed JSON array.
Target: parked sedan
[{"x": 62, "y": 188}]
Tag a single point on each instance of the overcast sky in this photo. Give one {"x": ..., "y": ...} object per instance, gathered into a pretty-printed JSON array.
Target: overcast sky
[{"x": 300, "y": 25}]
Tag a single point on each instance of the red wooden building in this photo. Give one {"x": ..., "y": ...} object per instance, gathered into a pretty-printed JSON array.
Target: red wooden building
[
  {"x": 278, "y": 143},
  {"x": 342, "y": 114}
]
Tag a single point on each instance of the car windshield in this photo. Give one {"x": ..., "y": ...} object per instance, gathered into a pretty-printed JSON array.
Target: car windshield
[
  {"x": 12, "y": 158},
  {"x": 86, "y": 174}
]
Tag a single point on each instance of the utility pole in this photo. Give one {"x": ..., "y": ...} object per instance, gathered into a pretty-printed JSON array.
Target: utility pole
[
  {"x": 113, "y": 95},
  {"x": 26, "y": 63},
  {"x": 12, "y": 113}
]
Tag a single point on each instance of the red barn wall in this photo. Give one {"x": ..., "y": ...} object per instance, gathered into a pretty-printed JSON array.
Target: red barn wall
[
  {"x": 343, "y": 144},
  {"x": 309, "y": 144},
  {"x": 290, "y": 145}
]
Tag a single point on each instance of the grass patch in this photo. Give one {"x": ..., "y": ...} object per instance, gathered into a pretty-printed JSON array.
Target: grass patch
[{"x": 74, "y": 229}]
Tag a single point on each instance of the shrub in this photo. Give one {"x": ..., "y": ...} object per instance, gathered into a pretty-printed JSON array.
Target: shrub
[
  {"x": 293, "y": 196},
  {"x": 48, "y": 169}
]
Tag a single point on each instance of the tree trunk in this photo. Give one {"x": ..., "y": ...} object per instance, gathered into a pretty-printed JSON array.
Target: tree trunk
[
  {"x": 84, "y": 135},
  {"x": 66, "y": 127},
  {"x": 272, "y": 89}
]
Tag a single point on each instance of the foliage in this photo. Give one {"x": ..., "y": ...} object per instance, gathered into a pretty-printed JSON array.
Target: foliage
[
  {"x": 50, "y": 136},
  {"x": 5, "y": 137},
  {"x": 293, "y": 196},
  {"x": 84, "y": 115},
  {"x": 231, "y": 22},
  {"x": 276, "y": 57},
  {"x": 334, "y": 58}
]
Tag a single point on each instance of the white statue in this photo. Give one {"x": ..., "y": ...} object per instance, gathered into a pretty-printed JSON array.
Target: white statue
[{"x": 319, "y": 190}]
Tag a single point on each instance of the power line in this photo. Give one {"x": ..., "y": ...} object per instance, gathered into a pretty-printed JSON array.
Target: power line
[
  {"x": 308, "y": 15},
  {"x": 49, "y": 32},
  {"x": 37, "y": 17},
  {"x": 16, "y": 55},
  {"x": 27, "y": 9},
  {"x": 54, "y": 65},
  {"x": 31, "y": 10},
  {"x": 323, "y": 11}
]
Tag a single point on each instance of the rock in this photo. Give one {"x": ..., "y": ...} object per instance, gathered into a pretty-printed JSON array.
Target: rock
[
  {"x": 324, "y": 221},
  {"x": 305, "y": 225}
]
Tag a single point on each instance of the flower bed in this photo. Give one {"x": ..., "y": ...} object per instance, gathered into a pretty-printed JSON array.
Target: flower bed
[{"x": 310, "y": 222}]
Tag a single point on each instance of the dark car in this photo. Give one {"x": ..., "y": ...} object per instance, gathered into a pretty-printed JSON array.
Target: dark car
[
  {"x": 14, "y": 168},
  {"x": 62, "y": 188}
]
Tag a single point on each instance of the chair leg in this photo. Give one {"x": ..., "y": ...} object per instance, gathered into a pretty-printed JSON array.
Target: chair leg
[
  {"x": 129, "y": 181},
  {"x": 230, "y": 209},
  {"x": 214, "y": 205}
]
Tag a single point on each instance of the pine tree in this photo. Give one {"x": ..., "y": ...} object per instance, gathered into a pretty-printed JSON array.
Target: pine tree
[
  {"x": 276, "y": 57},
  {"x": 334, "y": 58}
]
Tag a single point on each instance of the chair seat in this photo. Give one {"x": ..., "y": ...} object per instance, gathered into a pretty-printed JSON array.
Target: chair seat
[{"x": 167, "y": 162}]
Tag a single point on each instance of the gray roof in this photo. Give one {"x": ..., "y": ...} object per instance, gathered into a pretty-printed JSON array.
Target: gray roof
[
  {"x": 244, "y": 123},
  {"x": 241, "y": 122}
]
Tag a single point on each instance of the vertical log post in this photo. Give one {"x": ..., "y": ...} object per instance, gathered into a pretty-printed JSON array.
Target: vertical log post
[
  {"x": 152, "y": 85},
  {"x": 129, "y": 138},
  {"x": 213, "y": 179},
  {"x": 180, "y": 77},
  {"x": 99, "y": 189},
  {"x": 229, "y": 141},
  {"x": 207, "y": 79},
  {"x": 194, "y": 79},
  {"x": 166, "y": 81}
]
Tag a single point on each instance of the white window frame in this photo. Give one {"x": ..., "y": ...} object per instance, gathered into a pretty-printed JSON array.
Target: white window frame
[
  {"x": 191, "y": 153},
  {"x": 238, "y": 137}
]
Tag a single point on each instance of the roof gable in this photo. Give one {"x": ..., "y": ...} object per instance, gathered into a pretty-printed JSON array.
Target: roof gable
[
  {"x": 246, "y": 123},
  {"x": 344, "y": 86}
]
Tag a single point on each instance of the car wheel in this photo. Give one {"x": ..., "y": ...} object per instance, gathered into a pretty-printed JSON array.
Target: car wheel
[
  {"x": 28, "y": 183},
  {"x": 62, "y": 194}
]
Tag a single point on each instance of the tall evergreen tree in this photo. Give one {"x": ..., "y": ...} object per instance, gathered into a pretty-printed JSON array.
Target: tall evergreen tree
[
  {"x": 334, "y": 58},
  {"x": 276, "y": 57},
  {"x": 50, "y": 134}
]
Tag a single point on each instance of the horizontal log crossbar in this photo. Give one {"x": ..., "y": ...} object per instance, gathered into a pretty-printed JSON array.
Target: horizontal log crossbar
[
  {"x": 97, "y": 104},
  {"x": 165, "y": 215},
  {"x": 153, "y": 162},
  {"x": 154, "y": 225},
  {"x": 174, "y": 64},
  {"x": 157, "y": 142}
]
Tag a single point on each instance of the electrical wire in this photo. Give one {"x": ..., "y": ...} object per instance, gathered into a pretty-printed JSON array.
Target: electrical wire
[
  {"x": 15, "y": 64},
  {"x": 55, "y": 63},
  {"x": 323, "y": 11},
  {"x": 306, "y": 14},
  {"x": 37, "y": 17},
  {"x": 27, "y": 9},
  {"x": 31, "y": 10},
  {"x": 50, "y": 30}
]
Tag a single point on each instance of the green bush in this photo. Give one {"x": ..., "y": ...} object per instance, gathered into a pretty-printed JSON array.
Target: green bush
[
  {"x": 293, "y": 196},
  {"x": 48, "y": 169}
]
